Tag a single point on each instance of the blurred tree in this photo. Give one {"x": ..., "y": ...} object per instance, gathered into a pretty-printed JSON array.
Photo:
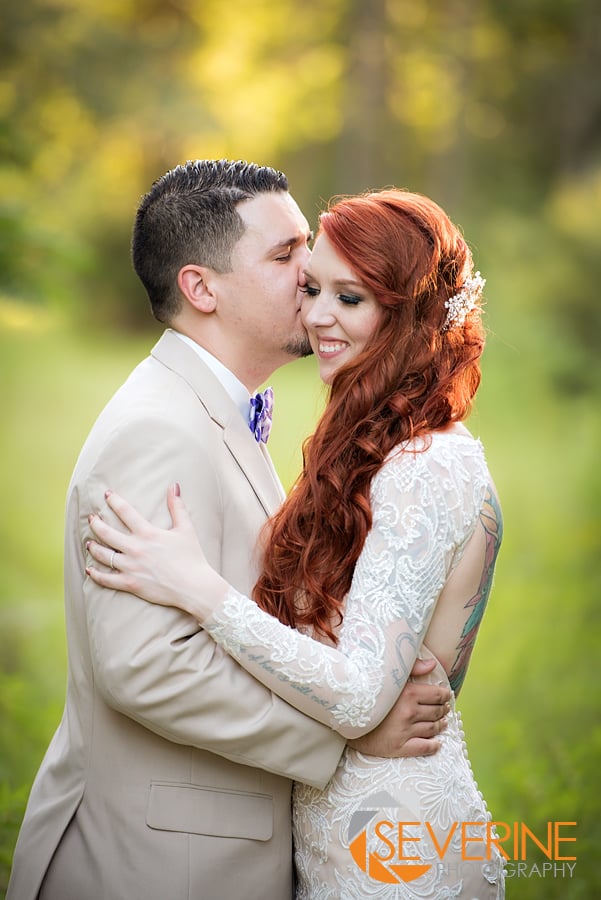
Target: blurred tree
[
  {"x": 493, "y": 107},
  {"x": 484, "y": 106}
]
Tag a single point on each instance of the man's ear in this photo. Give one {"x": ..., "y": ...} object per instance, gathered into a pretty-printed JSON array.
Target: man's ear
[{"x": 195, "y": 283}]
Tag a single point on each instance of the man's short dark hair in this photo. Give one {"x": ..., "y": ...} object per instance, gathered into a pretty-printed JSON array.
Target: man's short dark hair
[{"x": 189, "y": 217}]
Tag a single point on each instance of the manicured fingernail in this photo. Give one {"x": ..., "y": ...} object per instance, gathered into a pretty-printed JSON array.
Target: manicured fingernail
[
  {"x": 176, "y": 489},
  {"x": 107, "y": 494},
  {"x": 88, "y": 544},
  {"x": 87, "y": 571}
]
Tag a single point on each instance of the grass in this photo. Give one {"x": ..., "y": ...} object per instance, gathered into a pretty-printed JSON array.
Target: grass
[{"x": 532, "y": 700}]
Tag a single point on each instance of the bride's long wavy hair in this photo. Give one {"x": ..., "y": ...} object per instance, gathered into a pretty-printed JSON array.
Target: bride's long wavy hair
[{"x": 414, "y": 376}]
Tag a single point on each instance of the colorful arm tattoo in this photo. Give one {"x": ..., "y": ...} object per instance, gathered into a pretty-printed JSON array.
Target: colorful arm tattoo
[{"x": 492, "y": 522}]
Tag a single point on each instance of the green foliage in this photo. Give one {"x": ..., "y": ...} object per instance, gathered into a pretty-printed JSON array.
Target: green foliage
[
  {"x": 531, "y": 702},
  {"x": 490, "y": 102},
  {"x": 54, "y": 385},
  {"x": 492, "y": 108}
]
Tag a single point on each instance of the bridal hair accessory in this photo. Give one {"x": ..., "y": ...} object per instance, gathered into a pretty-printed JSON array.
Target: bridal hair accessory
[
  {"x": 464, "y": 301},
  {"x": 261, "y": 410}
]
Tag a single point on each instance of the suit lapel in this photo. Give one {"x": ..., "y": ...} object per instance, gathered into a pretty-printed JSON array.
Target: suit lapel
[
  {"x": 253, "y": 458},
  {"x": 256, "y": 464}
]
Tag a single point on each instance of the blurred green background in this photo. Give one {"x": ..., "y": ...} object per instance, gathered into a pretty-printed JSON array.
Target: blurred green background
[{"x": 493, "y": 108}]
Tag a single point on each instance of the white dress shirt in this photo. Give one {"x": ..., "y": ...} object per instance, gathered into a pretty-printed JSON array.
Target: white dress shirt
[{"x": 232, "y": 385}]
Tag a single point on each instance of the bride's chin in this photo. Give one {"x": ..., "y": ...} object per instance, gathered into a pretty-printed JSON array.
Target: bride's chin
[{"x": 328, "y": 376}]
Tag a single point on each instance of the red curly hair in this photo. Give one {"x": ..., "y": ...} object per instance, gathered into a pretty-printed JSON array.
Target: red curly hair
[{"x": 413, "y": 377}]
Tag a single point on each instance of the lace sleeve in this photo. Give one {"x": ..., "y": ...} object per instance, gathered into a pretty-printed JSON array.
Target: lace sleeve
[{"x": 420, "y": 522}]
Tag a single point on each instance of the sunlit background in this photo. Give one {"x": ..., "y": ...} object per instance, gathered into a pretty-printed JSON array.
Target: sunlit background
[{"x": 491, "y": 107}]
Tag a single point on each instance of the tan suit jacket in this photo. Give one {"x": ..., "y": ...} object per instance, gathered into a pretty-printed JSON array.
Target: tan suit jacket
[{"x": 169, "y": 776}]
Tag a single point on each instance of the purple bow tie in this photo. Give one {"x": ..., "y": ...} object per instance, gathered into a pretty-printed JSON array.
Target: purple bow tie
[{"x": 261, "y": 409}]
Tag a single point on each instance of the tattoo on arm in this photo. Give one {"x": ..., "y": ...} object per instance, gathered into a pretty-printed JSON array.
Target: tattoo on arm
[{"x": 492, "y": 522}]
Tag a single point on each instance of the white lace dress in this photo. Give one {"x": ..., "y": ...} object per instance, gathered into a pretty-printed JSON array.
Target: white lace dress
[{"x": 384, "y": 828}]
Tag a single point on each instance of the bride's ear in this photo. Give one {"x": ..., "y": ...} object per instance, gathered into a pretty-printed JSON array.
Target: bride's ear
[{"x": 195, "y": 284}]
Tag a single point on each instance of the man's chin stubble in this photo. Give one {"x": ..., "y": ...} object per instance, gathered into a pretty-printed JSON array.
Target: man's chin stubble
[{"x": 299, "y": 347}]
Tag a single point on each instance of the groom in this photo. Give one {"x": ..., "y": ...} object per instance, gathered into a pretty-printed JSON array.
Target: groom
[{"x": 170, "y": 773}]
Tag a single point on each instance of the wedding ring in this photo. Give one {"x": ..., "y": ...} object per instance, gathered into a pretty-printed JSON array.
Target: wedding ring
[{"x": 112, "y": 559}]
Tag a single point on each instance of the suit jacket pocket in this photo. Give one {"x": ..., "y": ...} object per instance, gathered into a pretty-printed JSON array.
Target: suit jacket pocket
[{"x": 201, "y": 810}]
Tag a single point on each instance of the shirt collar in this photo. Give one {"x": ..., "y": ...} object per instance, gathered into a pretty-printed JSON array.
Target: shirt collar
[{"x": 228, "y": 380}]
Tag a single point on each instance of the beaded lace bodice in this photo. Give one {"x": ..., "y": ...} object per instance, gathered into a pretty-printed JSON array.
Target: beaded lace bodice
[
  {"x": 425, "y": 506},
  {"x": 426, "y": 501}
]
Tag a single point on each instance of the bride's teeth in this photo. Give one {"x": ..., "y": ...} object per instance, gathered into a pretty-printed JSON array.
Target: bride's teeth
[{"x": 330, "y": 348}]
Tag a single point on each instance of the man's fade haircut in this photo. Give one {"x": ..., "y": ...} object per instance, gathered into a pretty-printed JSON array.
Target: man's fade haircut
[{"x": 190, "y": 217}]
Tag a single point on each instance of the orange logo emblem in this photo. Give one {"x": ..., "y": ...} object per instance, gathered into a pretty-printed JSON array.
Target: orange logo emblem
[{"x": 376, "y": 864}]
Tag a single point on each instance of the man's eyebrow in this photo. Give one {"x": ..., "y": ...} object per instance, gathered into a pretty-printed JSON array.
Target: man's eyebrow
[{"x": 292, "y": 241}]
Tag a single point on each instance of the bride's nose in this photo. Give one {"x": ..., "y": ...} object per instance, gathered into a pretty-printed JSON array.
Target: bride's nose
[{"x": 317, "y": 311}]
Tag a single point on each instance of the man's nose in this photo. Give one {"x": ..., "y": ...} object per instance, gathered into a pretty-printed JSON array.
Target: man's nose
[{"x": 303, "y": 259}]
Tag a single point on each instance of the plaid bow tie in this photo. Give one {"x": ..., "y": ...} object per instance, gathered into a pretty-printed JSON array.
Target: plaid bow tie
[{"x": 261, "y": 409}]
